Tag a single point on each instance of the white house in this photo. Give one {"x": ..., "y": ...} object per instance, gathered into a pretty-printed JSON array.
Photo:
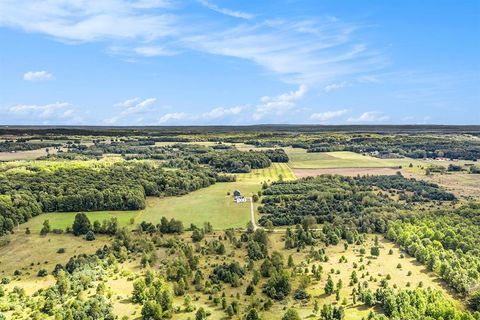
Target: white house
[
  {"x": 237, "y": 197},
  {"x": 240, "y": 199}
]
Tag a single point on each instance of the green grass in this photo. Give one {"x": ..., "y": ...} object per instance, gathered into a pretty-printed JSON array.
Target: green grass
[
  {"x": 25, "y": 249},
  {"x": 300, "y": 159},
  {"x": 213, "y": 204},
  {"x": 62, "y": 220}
]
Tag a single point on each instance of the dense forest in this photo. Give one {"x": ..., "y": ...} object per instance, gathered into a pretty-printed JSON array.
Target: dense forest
[
  {"x": 343, "y": 200},
  {"x": 446, "y": 241},
  {"x": 120, "y": 186},
  {"x": 20, "y": 145}
]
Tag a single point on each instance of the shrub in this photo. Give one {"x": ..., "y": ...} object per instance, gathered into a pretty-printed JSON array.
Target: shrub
[
  {"x": 90, "y": 236},
  {"x": 42, "y": 273}
]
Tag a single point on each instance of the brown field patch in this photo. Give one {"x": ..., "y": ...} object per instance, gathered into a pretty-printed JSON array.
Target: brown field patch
[{"x": 351, "y": 172}]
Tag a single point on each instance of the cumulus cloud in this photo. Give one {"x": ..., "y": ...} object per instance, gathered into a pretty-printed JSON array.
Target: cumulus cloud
[
  {"x": 280, "y": 104},
  {"x": 133, "y": 106},
  {"x": 57, "y": 109},
  {"x": 327, "y": 115},
  {"x": 333, "y": 87},
  {"x": 214, "y": 114},
  {"x": 52, "y": 113},
  {"x": 37, "y": 76},
  {"x": 368, "y": 117},
  {"x": 225, "y": 11}
]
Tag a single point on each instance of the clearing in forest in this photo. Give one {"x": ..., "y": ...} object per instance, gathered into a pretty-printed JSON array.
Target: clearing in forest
[{"x": 212, "y": 204}]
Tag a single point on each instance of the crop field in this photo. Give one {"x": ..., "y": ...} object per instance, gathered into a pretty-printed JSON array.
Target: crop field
[
  {"x": 300, "y": 159},
  {"x": 25, "y": 155},
  {"x": 272, "y": 173}
]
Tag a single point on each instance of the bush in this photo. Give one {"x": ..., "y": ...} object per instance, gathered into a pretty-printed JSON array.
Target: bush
[
  {"x": 81, "y": 225},
  {"x": 90, "y": 236},
  {"x": 42, "y": 273},
  {"x": 61, "y": 250}
]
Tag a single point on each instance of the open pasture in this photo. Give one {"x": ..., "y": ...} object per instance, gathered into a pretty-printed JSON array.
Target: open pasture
[
  {"x": 300, "y": 159},
  {"x": 25, "y": 155},
  {"x": 29, "y": 253}
]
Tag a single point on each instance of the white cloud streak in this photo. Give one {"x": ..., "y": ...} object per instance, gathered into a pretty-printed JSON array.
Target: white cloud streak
[
  {"x": 327, "y": 115},
  {"x": 37, "y": 76},
  {"x": 85, "y": 21},
  {"x": 369, "y": 117},
  {"x": 225, "y": 11},
  {"x": 334, "y": 87},
  {"x": 305, "y": 51},
  {"x": 214, "y": 114}
]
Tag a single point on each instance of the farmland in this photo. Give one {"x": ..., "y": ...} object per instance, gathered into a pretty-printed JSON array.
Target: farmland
[{"x": 134, "y": 224}]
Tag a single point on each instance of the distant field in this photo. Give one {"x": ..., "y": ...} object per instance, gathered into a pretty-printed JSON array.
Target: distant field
[
  {"x": 269, "y": 174},
  {"x": 300, "y": 159},
  {"x": 351, "y": 172},
  {"x": 25, "y": 155},
  {"x": 463, "y": 185}
]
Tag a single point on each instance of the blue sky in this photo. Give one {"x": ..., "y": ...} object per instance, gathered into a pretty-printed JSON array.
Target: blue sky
[{"x": 170, "y": 62}]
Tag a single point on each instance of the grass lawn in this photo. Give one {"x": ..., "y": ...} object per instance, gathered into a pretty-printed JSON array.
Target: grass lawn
[{"x": 62, "y": 220}]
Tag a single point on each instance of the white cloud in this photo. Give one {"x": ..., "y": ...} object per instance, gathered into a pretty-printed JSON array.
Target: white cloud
[
  {"x": 153, "y": 51},
  {"x": 300, "y": 52},
  {"x": 216, "y": 113},
  {"x": 135, "y": 105},
  {"x": 225, "y": 11},
  {"x": 83, "y": 21},
  {"x": 369, "y": 116},
  {"x": 52, "y": 113},
  {"x": 306, "y": 51},
  {"x": 37, "y": 76},
  {"x": 131, "y": 107},
  {"x": 278, "y": 105},
  {"x": 327, "y": 115},
  {"x": 40, "y": 111},
  {"x": 333, "y": 87}
]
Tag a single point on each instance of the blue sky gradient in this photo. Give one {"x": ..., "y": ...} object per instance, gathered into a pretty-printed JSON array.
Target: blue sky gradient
[{"x": 169, "y": 62}]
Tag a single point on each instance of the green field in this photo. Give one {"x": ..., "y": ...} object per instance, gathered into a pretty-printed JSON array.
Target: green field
[
  {"x": 209, "y": 204},
  {"x": 300, "y": 159}
]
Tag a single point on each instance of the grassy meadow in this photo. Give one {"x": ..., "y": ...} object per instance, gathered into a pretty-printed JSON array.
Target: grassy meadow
[{"x": 300, "y": 159}]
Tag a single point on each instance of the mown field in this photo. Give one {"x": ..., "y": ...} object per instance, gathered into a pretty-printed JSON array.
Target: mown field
[{"x": 300, "y": 159}]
